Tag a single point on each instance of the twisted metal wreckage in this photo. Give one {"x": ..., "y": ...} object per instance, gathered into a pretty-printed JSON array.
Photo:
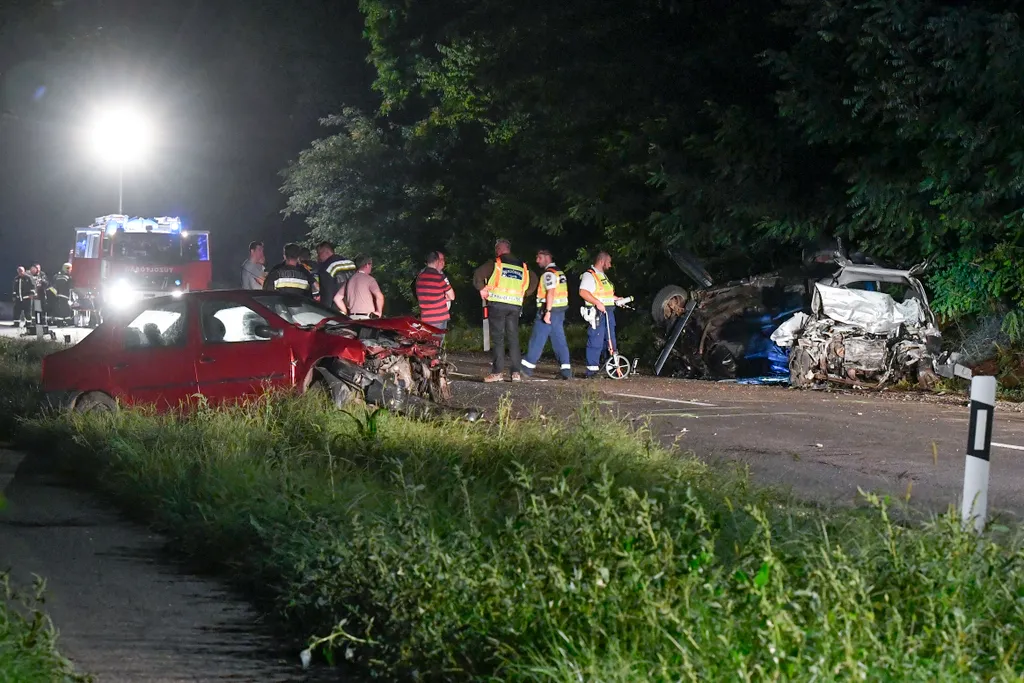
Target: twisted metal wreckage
[{"x": 862, "y": 325}]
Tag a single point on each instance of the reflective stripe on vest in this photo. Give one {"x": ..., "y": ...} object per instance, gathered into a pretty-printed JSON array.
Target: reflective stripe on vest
[
  {"x": 291, "y": 283},
  {"x": 561, "y": 292},
  {"x": 508, "y": 283},
  {"x": 603, "y": 292}
]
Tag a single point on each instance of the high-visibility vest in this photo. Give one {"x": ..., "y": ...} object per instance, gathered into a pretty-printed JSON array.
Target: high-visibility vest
[
  {"x": 603, "y": 292},
  {"x": 508, "y": 284},
  {"x": 560, "y": 292}
]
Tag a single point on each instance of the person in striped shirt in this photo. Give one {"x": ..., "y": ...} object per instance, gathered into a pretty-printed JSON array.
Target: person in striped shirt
[{"x": 434, "y": 292}]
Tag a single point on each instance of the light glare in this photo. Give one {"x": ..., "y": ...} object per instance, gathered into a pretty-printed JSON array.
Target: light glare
[{"x": 121, "y": 134}]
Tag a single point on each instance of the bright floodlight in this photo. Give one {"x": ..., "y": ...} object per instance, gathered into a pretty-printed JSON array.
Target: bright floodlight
[{"x": 121, "y": 134}]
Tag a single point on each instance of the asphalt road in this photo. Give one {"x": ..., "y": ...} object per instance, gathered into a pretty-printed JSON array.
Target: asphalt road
[
  {"x": 821, "y": 446},
  {"x": 125, "y": 613}
]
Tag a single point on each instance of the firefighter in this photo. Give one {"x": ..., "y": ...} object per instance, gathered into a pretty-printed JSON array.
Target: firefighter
[
  {"x": 62, "y": 292},
  {"x": 599, "y": 299},
  {"x": 24, "y": 291},
  {"x": 290, "y": 276},
  {"x": 333, "y": 272},
  {"x": 503, "y": 284},
  {"x": 552, "y": 303},
  {"x": 307, "y": 262}
]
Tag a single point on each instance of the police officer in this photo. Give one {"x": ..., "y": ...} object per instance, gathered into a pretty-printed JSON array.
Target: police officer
[
  {"x": 503, "y": 284},
  {"x": 290, "y": 276},
  {"x": 333, "y": 271},
  {"x": 552, "y": 303},
  {"x": 599, "y": 307}
]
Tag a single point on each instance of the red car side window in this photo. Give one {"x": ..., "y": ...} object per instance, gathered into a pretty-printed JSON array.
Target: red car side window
[
  {"x": 160, "y": 326},
  {"x": 226, "y": 322}
]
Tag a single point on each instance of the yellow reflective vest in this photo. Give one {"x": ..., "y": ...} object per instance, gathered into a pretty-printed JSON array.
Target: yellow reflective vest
[
  {"x": 560, "y": 292},
  {"x": 507, "y": 284},
  {"x": 604, "y": 291}
]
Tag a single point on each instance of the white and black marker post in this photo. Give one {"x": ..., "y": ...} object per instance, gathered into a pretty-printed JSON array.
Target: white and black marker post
[{"x": 979, "y": 445}]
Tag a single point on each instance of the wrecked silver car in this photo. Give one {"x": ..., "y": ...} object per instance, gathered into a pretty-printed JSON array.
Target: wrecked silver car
[
  {"x": 868, "y": 327},
  {"x": 834, "y": 320}
]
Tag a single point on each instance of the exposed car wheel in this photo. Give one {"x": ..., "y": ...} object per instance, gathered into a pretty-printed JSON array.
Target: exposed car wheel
[
  {"x": 927, "y": 379},
  {"x": 95, "y": 402},
  {"x": 800, "y": 367},
  {"x": 668, "y": 304},
  {"x": 340, "y": 393}
]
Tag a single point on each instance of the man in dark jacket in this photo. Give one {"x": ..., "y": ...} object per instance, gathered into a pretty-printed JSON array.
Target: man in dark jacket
[
  {"x": 24, "y": 292},
  {"x": 62, "y": 289},
  {"x": 290, "y": 277},
  {"x": 333, "y": 271}
]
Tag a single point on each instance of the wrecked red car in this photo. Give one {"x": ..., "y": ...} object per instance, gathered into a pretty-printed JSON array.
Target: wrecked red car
[{"x": 230, "y": 345}]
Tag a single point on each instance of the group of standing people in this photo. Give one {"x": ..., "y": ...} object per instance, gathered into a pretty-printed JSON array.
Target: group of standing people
[
  {"x": 503, "y": 282},
  {"x": 336, "y": 282},
  {"x": 31, "y": 285}
]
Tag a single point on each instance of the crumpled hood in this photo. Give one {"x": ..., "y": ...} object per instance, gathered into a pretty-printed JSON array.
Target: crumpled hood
[{"x": 874, "y": 312}]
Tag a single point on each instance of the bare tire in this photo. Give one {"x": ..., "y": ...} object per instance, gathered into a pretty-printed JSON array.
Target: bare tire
[
  {"x": 800, "y": 366},
  {"x": 95, "y": 402},
  {"x": 668, "y": 304},
  {"x": 340, "y": 393}
]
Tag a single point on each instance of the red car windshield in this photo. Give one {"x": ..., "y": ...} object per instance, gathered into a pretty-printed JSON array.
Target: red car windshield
[{"x": 296, "y": 310}]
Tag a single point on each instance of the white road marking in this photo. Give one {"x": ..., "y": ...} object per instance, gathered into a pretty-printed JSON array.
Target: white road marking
[
  {"x": 668, "y": 400},
  {"x": 1007, "y": 445}
]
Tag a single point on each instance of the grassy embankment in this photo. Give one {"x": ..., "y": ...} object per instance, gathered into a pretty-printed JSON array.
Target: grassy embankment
[{"x": 550, "y": 550}]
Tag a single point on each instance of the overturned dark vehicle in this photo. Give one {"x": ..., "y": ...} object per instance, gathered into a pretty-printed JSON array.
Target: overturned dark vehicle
[{"x": 860, "y": 325}]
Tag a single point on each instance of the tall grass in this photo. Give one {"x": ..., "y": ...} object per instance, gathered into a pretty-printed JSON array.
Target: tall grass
[
  {"x": 20, "y": 389},
  {"x": 550, "y": 550},
  {"x": 28, "y": 652}
]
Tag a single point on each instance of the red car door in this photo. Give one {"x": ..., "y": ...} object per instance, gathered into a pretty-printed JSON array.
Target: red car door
[
  {"x": 236, "y": 357},
  {"x": 152, "y": 361}
]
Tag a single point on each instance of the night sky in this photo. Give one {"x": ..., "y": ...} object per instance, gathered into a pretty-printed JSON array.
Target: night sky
[{"x": 236, "y": 87}]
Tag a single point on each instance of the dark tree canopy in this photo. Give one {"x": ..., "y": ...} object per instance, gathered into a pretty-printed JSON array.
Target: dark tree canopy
[{"x": 742, "y": 131}]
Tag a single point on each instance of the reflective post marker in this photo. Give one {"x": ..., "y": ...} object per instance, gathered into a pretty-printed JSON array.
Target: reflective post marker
[
  {"x": 974, "y": 506},
  {"x": 37, "y": 313}
]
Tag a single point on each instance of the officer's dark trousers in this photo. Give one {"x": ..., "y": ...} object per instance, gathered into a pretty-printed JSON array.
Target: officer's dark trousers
[
  {"x": 504, "y": 322},
  {"x": 23, "y": 309}
]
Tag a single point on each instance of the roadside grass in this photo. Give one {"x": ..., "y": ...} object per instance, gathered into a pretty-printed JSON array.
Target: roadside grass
[
  {"x": 549, "y": 549},
  {"x": 28, "y": 652},
  {"x": 20, "y": 391}
]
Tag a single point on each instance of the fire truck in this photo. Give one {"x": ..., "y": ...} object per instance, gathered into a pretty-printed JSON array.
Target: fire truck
[{"x": 119, "y": 260}]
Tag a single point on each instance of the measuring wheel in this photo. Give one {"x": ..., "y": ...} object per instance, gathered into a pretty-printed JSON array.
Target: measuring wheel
[{"x": 617, "y": 367}]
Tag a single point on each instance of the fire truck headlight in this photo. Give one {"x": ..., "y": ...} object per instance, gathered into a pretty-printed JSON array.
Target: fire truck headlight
[
  {"x": 121, "y": 294},
  {"x": 177, "y": 293}
]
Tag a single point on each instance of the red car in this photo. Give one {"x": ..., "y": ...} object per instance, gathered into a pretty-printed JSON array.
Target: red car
[{"x": 229, "y": 345}]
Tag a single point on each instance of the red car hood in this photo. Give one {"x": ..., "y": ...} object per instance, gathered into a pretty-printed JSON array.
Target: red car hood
[{"x": 407, "y": 326}]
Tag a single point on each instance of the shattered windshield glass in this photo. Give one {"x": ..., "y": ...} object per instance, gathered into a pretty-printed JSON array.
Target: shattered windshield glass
[{"x": 296, "y": 310}]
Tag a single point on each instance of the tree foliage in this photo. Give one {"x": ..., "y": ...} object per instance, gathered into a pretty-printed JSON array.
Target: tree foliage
[{"x": 740, "y": 133}]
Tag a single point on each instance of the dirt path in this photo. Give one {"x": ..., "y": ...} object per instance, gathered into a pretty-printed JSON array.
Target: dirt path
[{"x": 125, "y": 614}]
